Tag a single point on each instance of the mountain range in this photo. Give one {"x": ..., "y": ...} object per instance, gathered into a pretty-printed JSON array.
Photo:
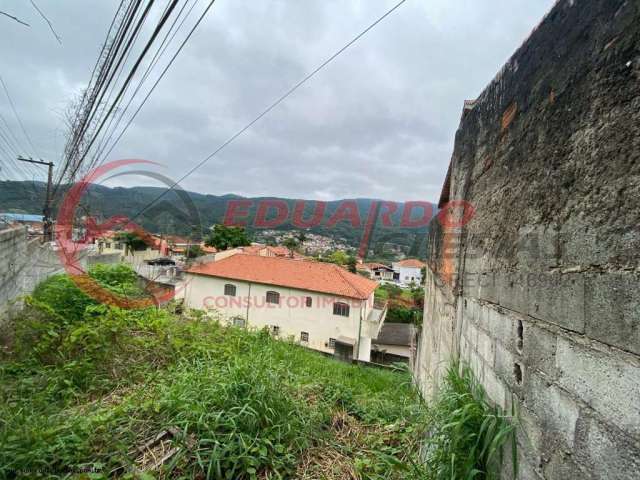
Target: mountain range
[{"x": 191, "y": 214}]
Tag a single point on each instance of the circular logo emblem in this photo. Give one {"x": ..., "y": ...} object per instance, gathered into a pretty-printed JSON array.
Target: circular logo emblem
[{"x": 75, "y": 232}]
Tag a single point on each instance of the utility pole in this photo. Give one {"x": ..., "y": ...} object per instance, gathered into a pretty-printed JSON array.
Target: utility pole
[{"x": 46, "y": 211}]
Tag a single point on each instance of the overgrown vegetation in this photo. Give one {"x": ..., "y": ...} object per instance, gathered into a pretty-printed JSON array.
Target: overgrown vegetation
[
  {"x": 85, "y": 386},
  {"x": 468, "y": 434},
  {"x": 405, "y": 305},
  {"x": 224, "y": 237}
]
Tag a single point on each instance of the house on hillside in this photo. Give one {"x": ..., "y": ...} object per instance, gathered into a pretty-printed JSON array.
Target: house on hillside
[
  {"x": 320, "y": 305},
  {"x": 408, "y": 271},
  {"x": 34, "y": 223},
  {"x": 395, "y": 343},
  {"x": 376, "y": 271},
  {"x": 270, "y": 251}
]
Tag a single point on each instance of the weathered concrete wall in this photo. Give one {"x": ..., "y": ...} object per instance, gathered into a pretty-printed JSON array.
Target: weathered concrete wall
[
  {"x": 539, "y": 291},
  {"x": 24, "y": 263}
]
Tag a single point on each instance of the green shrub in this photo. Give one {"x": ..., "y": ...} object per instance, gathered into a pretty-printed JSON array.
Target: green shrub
[
  {"x": 84, "y": 393},
  {"x": 63, "y": 297},
  {"x": 468, "y": 433}
]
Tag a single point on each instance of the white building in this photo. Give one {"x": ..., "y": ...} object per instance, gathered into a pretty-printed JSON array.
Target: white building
[
  {"x": 408, "y": 271},
  {"x": 320, "y": 305},
  {"x": 377, "y": 271}
]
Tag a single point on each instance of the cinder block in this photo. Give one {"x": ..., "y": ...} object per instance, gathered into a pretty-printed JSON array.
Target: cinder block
[
  {"x": 495, "y": 388},
  {"x": 477, "y": 365},
  {"x": 557, "y": 412},
  {"x": 539, "y": 349},
  {"x": 488, "y": 286},
  {"x": 558, "y": 299},
  {"x": 613, "y": 309},
  {"x": 537, "y": 248},
  {"x": 502, "y": 326},
  {"x": 608, "y": 454},
  {"x": 604, "y": 381},
  {"x": 505, "y": 361},
  {"x": 513, "y": 291},
  {"x": 486, "y": 348}
]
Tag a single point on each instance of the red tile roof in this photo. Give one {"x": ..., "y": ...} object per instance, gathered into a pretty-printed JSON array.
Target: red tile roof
[
  {"x": 411, "y": 263},
  {"x": 371, "y": 266},
  {"x": 286, "y": 272}
]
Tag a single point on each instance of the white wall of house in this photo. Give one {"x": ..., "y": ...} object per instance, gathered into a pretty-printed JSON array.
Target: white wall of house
[
  {"x": 408, "y": 274},
  {"x": 292, "y": 316}
]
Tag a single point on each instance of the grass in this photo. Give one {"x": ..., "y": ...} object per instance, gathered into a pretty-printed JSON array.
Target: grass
[
  {"x": 95, "y": 391},
  {"x": 467, "y": 432},
  {"x": 83, "y": 390}
]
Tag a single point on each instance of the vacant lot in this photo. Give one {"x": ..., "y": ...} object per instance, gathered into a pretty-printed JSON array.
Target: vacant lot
[{"x": 150, "y": 394}]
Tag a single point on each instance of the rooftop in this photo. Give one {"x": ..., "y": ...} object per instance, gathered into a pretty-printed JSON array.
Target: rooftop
[
  {"x": 285, "y": 272},
  {"x": 21, "y": 217},
  {"x": 395, "y": 334},
  {"x": 410, "y": 263}
]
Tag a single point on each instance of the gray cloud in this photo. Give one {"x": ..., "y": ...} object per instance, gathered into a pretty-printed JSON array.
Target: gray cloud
[{"x": 377, "y": 122}]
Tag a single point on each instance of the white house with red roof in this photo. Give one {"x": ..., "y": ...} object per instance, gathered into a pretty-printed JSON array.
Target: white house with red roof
[
  {"x": 319, "y": 305},
  {"x": 408, "y": 271}
]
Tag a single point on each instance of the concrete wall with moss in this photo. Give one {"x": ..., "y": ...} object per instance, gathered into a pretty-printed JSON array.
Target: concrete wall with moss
[
  {"x": 24, "y": 263},
  {"x": 539, "y": 291}
]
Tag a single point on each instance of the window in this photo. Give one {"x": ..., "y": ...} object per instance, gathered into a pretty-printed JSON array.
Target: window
[
  {"x": 275, "y": 330},
  {"x": 341, "y": 309},
  {"x": 308, "y": 301},
  {"x": 230, "y": 290},
  {"x": 238, "y": 321},
  {"x": 273, "y": 297},
  {"x": 332, "y": 343},
  {"x": 304, "y": 336}
]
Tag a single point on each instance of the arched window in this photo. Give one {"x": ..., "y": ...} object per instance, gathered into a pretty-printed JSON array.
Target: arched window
[
  {"x": 230, "y": 290},
  {"x": 341, "y": 309},
  {"x": 273, "y": 297}
]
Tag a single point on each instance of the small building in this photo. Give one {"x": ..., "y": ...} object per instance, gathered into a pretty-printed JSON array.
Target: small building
[
  {"x": 395, "y": 343},
  {"x": 377, "y": 271},
  {"x": 34, "y": 223},
  {"x": 319, "y": 305},
  {"x": 408, "y": 271}
]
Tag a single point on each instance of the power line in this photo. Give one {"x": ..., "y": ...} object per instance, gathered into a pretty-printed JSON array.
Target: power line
[
  {"x": 87, "y": 109},
  {"x": 154, "y": 61},
  {"x": 146, "y": 48},
  {"x": 14, "y": 18},
  {"x": 273, "y": 105},
  {"x": 48, "y": 22},
  {"x": 15, "y": 112},
  {"x": 111, "y": 84}
]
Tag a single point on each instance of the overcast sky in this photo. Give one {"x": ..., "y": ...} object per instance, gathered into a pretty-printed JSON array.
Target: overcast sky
[{"x": 377, "y": 122}]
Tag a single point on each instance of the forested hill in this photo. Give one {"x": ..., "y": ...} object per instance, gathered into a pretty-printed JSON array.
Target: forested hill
[{"x": 171, "y": 214}]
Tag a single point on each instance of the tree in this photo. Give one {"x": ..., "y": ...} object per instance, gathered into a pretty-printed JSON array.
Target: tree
[
  {"x": 131, "y": 240},
  {"x": 291, "y": 243},
  {"x": 194, "y": 251},
  {"x": 352, "y": 262},
  {"x": 338, "y": 257},
  {"x": 224, "y": 238}
]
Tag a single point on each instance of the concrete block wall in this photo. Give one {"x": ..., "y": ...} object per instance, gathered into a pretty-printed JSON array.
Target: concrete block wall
[
  {"x": 24, "y": 263},
  {"x": 13, "y": 251},
  {"x": 541, "y": 295}
]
